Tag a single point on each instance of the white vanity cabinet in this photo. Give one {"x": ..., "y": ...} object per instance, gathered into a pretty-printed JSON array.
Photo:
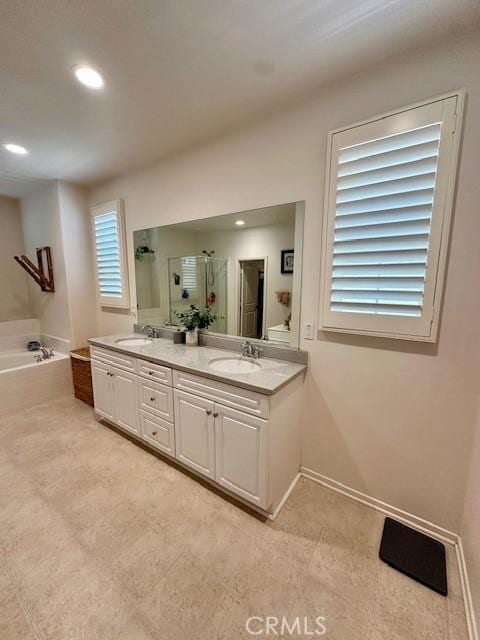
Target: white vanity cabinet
[
  {"x": 103, "y": 389},
  {"x": 115, "y": 395},
  {"x": 225, "y": 445},
  {"x": 241, "y": 455},
  {"x": 246, "y": 442},
  {"x": 195, "y": 432}
]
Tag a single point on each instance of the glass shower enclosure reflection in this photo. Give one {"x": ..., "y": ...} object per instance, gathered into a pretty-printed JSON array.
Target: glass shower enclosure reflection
[{"x": 199, "y": 280}]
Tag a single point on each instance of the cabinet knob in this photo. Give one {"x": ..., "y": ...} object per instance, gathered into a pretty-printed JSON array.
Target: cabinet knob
[
  {"x": 209, "y": 412},
  {"x": 152, "y": 399},
  {"x": 215, "y": 415},
  {"x": 154, "y": 433}
]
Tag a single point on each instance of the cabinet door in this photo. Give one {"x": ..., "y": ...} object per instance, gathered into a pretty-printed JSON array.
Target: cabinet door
[
  {"x": 194, "y": 433},
  {"x": 103, "y": 389},
  {"x": 125, "y": 400},
  {"x": 241, "y": 454}
]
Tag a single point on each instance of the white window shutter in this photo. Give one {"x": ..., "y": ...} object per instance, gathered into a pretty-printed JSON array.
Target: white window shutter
[
  {"x": 110, "y": 255},
  {"x": 388, "y": 205},
  {"x": 190, "y": 275}
]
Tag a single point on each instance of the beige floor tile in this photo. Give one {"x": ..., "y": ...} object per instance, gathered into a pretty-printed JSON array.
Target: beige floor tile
[
  {"x": 69, "y": 480},
  {"x": 184, "y": 599},
  {"x": 142, "y": 565},
  {"x": 403, "y": 609},
  {"x": 457, "y": 622},
  {"x": 268, "y": 582},
  {"x": 344, "y": 619},
  {"x": 342, "y": 564},
  {"x": 453, "y": 574},
  {"x": 355, "y": 521},
  {"x": 229, "y": 620},
  {"x": 85, "y": 508},
  {"x": 14, "y": 624},
  {"x": 14, "y": 425},
  {"x": 222, "y": 547},
  {"x": 306, "y": 510},
  {"x": 32, "y": 447},
  {"x": 97, "y": 611},
  {"x": 181, "y": 514},
  {"x": 54, "y": 580},
  {"x": 114, "y": 530},
  {"x": 4, "y": 577},
  {"x": 16, "y": 488},
  {"x": 27, "y": 514},
  {"x": 103, "y": 540},
  {"x": 33, "y": 545}
]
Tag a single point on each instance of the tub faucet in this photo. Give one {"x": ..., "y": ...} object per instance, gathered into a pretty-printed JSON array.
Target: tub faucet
[{"x": 46, "y": 354}]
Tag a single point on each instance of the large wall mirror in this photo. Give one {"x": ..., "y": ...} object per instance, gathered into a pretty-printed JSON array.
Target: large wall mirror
[{"x": 246, "y": 266}]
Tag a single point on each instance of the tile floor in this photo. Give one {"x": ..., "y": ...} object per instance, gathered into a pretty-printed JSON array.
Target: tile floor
[{"x": 101, "y": 540}]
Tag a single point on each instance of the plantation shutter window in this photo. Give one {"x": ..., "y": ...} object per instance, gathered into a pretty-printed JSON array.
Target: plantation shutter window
[
  {"x": 389, "y": 194},
  {"x": 110, "y": 256},
  {"x": 189, "y": 275}
]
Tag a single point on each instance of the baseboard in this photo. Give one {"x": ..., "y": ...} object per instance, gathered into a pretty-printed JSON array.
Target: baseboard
[
  {"x": 272, "y": 516},
  {"x": 402, "y": 516},
  {"x": 467, "y": 594}
]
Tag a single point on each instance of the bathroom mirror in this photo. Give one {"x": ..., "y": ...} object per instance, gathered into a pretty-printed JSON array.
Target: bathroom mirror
[{"x": 245, "y": 266}]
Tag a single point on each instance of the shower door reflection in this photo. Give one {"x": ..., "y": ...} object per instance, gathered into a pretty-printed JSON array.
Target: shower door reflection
[{"x": 199, "y": 280}]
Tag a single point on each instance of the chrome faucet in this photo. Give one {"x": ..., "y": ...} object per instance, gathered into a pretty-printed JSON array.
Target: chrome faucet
[
  {"x": 46, "y": 353},
  {"x": 250, "y": 350},
  {"x": 149, "y": 331}
]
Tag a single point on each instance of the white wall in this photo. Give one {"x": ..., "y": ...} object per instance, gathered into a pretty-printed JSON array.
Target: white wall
[
  {"x": 14, "y": 299},
  {"x": 42, "y": 227},
  {"x": 78, "y": 258},
  {"x": 56, "y": 214},
  {"x": 390, "y": 418}
]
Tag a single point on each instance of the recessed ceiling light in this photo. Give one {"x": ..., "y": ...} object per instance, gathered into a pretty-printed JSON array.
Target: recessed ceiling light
[
  {"x": 89, "y": 77},
  {"x": 240, "y": 222},
  {"x": 15, "y": 148}
]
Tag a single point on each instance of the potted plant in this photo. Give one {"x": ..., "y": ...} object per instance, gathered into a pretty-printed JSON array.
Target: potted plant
[{"x": 194, "y": 319}]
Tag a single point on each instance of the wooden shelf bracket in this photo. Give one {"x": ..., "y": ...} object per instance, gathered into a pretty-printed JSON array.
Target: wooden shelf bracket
[{"x": 44, "y": 281}]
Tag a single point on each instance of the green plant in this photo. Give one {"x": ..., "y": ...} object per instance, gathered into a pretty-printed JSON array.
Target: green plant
[{"x": 195, "y": 318}]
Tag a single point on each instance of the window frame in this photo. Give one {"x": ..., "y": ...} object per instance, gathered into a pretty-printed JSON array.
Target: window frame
[
  {"x": 425, "y": 329},
  {"x": 113, "y": 206}
]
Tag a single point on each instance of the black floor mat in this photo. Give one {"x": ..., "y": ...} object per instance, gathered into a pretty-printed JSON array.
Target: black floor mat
[{"x": 414, "y": 554}]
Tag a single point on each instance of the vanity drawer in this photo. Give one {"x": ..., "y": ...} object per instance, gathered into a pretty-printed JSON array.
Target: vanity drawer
[
  {"x": 159, "y": 433},
  {"x": 155, "y": 398},
  {"x": 114, "y": 358},
  {"x": 155, "y": 372},
  {"x": 228, "y": 395}
]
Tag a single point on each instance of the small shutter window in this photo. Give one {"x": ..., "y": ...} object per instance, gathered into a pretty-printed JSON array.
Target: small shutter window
[
  {"x": 189, "y": 275},
  {"x": 108, "y": 227},
  {"x": 390, "y": 188}
]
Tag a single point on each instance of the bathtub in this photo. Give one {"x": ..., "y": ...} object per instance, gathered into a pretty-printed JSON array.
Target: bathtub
[{"x": 24, "y": 382}]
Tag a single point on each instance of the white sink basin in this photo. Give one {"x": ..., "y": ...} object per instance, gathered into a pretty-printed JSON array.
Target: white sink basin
[
  {"x": 234, "y": 365},
  {"x": 134, "y": 342}
]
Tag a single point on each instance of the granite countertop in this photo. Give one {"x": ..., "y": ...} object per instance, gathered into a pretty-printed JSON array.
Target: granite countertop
[{"x": 271, "y": 376}]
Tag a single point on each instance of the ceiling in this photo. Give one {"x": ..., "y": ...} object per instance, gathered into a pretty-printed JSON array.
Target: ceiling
[
  {"x": 178, "y": 72},
  {"x": 279, "y": 214}
]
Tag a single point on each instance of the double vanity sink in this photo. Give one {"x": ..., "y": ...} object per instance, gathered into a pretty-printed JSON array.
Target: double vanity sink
[
  {"x": 232, "y": 420},
  {"x": 226, "y": 364}
]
